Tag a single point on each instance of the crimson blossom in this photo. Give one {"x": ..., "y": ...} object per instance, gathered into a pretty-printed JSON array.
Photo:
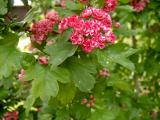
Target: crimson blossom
[
  {"x": 42, "y": 28},
  {"x": 92, "y": 29},
  {"x": 139, "y": 5},
  {"x": 110, "y": 5}
]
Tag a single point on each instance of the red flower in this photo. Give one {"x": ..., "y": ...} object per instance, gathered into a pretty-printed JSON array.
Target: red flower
[
  {"x": 104, "y": 72},
  {"x": 117, "y": 24},
  {"x": 110, "y": 5},
  {"x": 41, "y": 29},
  {"x": 52, "y": 15},
  {"x": 21, "y": 75},
  {"x": 91, "y": 30},
  {"x": 139, "y": 6},
  {"x": 11, "y": 115},
  {"x": 43, "y": 60}
]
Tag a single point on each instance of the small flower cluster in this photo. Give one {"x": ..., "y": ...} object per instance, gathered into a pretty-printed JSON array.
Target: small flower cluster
[
  {"x": 117, "y": 25},
  {"x": 89, "y": 102},
  {"x": 43, "y": 60},
  {"x": 11, "y": 116},
  {"x": 43, "y": 27},
  {"x": 139, "y": 6},
  {"x": 92, "y": 29},
  {"x": 21, "y": 75},
  {"x": 104, "y": 72},
  {"x": 110, "y": 5},
  {"x": 63, "y": 4}
]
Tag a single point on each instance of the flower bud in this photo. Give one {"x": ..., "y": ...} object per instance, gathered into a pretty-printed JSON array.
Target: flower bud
[{"x": 43, "y": 60}]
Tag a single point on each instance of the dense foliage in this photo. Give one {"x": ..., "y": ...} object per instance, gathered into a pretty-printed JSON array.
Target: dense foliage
[{"x": 85, "y": 60}]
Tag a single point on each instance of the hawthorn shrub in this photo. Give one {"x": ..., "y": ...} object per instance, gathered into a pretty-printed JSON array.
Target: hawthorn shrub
[{"x": 84, "y": 60}]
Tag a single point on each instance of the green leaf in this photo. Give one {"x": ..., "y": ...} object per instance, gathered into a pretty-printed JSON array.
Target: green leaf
[
  {"x": 3, "y": 7},
  {"x": 117, "y": 53},
  {"x": 8, "y": 82},
  {"x": 60, "y": 51},
  {"x": 66, "y": 93},
  {"x": 63, "y": 12},
  {"x": 28, "y": 60},
  {"x": 81, "y": 112},
  {"x": 29, "y": 102},
  {"x": 62, "y": 114},
  {"x": 97, "y": 3},
  {"x": 65, "y": 35},
  {"x": 122, "y": 116},
  {"x": 100, "y": 3},
  {"x": 124, "y": 1},
  {"x": 125, "y": 30},
  {"x": 4, "y": 93},
  {"x": 45, "y": 117},
  {"x": 146, "y": 102},
  {"x": 120, "y": 84},
  {"x": 30, "y": 16},
  {"x": 151, "y": 66},
  {"x": 104, "y": 114},
  {"x": 73, "y": 6},
  {"x": 55, "y": 28},
  {"x": 9, "y": 39},
  {"x": 44, "y": 84},
  {"x": 10, "y": 57},
  {"x": 62, "y": 75},
  {"x": 82, "y": 71},
  {"x": 126, "y": 8}
]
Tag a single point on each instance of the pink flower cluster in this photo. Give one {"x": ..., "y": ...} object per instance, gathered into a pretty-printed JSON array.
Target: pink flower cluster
[
  {"x": 43, "y": 27},
  {"x": 139, "y": 5},
  {"x": 21, "y": 75},
  {"x": 43, "y": 60},
  {"x": 63, "y": 5},
  {"x": 90, "y": 102},
  {"x": 110, "y": 5},
  {"x": 11, "y": 116},
  {"x": 90, "y": 30},
  {"x": 104, "y": 72},
  {"x": 52, "y": 16},
  {"x": 117, "y": 25}
]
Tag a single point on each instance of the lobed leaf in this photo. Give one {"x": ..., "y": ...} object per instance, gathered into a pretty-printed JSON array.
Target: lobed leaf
[
  {"x": 10, "y": 57},
  {"x": 60, "y": 51},
  {"x": 82, "y": 71},
  {"x": 117, "y": 54},
  {"x": 3, "y": 7}
]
